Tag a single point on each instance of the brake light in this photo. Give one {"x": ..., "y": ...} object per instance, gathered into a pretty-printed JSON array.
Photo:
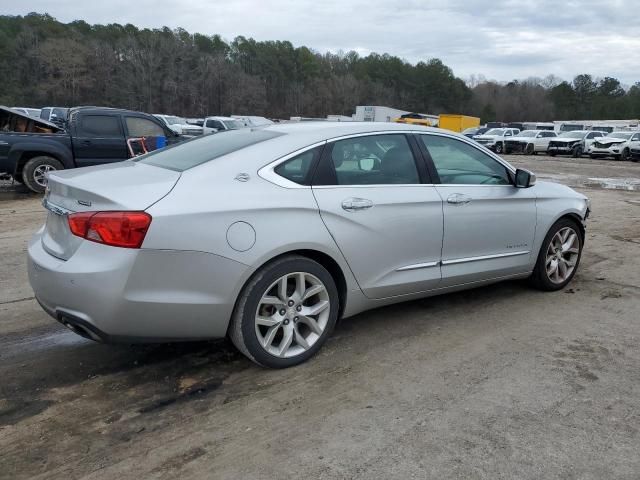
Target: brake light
[{"x": 118, "y": 229}]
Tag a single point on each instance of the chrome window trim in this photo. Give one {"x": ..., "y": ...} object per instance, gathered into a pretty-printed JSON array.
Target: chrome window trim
[
  {"x": 268, "y": 171},
  {"x": 417, "y": 266},
  {"x": 484, "y": 257}
]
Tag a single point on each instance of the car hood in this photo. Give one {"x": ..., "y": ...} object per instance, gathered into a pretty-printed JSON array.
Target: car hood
[
  {"x": 487, "y": 137},
  {"x": 566, "y": 139},
  {"x": 609, "y": 141},
  {"x": 557, "y": 190},
  {"x": 522, "y": 139}
]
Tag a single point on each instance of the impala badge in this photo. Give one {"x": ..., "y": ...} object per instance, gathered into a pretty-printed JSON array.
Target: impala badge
[
  {"x": 86, "y": 203},
  {"x": 243, "y": 177}
]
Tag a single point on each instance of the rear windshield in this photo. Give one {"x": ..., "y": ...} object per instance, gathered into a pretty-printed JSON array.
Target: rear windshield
[{"x": 199, "y": 150}]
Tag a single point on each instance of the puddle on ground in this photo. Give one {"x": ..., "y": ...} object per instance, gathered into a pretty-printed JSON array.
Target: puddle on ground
[{"x": 630, "y": 184}]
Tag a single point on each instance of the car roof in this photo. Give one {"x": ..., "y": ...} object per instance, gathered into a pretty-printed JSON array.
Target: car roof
[{"x": 326, "y": 130}]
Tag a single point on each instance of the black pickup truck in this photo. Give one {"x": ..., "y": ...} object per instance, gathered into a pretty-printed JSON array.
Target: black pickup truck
[{"x": 30, "y": 147}]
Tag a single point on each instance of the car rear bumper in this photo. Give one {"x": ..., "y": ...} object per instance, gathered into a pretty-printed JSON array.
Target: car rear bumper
[{"x": 115, "y": 294}]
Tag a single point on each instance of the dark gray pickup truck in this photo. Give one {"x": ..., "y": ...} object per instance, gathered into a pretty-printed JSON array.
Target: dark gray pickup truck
[{"x": 30, "y": 147}]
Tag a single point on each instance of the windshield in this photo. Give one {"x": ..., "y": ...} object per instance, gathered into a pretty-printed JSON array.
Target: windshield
[
  {"x": 621, "y": 135},
  {"x": 233, "y": 124},
  {"x": 175, "y": 120},
  {"x": 199, "y": 150},
  {"x": 574, "y": 134},
  {"x": 527, "y": 133},
  {"x": 495, "y": 131}
]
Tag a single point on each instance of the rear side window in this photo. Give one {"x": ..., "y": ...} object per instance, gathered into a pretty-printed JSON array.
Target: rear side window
[
  {"x": 44, "y": 113},
  {"x": 199, "y": 150},
  {"x": 374, "y": 160},
  {"x": 142, "y": 127},
  {"x": 99, "y": 126},
  {"x": 298, "y": 169}
]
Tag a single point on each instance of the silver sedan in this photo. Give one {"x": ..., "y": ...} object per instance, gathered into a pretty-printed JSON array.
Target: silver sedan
[{"x": 269, "y": 235}]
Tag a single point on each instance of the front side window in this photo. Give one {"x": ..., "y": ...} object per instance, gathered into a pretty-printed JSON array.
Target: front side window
[
  {"x": 99, "y": 126},
  {"x": 459, "y": 163},
  {"x": 374, "y": 160},
  {"x": 214, "y": 124},
  {"x": 142, "y": 127},
  {"x": 298, "y": 168}
]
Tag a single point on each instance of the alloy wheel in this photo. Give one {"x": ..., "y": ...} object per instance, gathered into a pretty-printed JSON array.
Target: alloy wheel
[
  {"x": 292, "y": 314},
  {"x": 40, "y": 174},
  {"x": 562, "y": 255}
]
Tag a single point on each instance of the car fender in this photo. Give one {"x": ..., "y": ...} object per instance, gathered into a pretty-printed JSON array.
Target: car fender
[{"x": 553, "y": 202}]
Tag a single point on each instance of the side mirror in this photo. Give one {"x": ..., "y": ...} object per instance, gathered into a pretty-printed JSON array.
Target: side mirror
[{"x": 524, "y": 178}]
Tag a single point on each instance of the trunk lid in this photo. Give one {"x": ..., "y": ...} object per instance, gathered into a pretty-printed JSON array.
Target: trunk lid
[{"x": 120, "y": 186}]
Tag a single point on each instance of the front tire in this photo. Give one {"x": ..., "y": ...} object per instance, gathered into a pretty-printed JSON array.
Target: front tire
[
  {"x": 559, "y": 256},
  {"x": 577, "y": 152},
  {"x": 625, "y": 155},
  {"x": 285, "y": 312},
  {"x": 35, "y": 170}
]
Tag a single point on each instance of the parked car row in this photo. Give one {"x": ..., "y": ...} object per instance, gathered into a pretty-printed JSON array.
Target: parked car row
[{"x": 595, "y": 143}]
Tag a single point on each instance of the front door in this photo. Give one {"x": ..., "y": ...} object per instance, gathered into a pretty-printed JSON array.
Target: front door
[
  {"x": 373, "y": 198},
  {"x": 98, "y": 139},
  {"x": 489, "y": 224}
]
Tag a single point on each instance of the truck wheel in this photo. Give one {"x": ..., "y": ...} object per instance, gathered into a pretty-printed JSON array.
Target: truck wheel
[
  {"x": 35, "y": 170},
  {"x": 498, "y": 148}
]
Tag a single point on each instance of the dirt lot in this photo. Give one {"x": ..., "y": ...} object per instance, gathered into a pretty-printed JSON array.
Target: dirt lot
[{"x": 498, "y": 382}]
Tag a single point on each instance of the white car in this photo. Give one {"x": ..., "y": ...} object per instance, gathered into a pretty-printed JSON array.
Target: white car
[
  {"x": 574, "y": 142},
  {"x": 616, "y": 144},
  {"x": 179, "y": 125},
  {"x": 494, "y": 139},
  {"x": 252, "y": 120},
  {"x": 220, "y": 124},
  {"x": 529, "y": 142}
]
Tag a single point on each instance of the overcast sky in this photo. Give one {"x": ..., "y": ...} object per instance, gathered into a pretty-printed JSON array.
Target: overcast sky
[{"x": 500, "y": 39}]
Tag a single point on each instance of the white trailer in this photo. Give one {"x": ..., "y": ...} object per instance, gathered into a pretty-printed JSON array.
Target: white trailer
[{"x": 377, "y": 113}]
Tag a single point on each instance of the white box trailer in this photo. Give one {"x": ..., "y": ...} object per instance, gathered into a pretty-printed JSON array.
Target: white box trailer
[
  {"x": 602, "y": 125},
  {"x": 377, "y": 113}
]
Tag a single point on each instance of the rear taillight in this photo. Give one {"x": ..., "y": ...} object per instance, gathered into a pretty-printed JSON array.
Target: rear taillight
[{"x": 118, "y": 229}]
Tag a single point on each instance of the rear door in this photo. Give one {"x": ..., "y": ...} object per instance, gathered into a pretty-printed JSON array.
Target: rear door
[
  {"x": 382, "y": 211},
  {"x": 98, "y": 139},
  {"x": 489, "y": 224}
]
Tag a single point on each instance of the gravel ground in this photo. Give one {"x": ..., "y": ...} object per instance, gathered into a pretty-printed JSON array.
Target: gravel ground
[{"x": 497, "y": 382}]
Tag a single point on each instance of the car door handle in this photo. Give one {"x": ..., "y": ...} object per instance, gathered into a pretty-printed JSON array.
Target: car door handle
[
  {"x": 86, "y": 142},
  {"x": 458, "y": 199},
  {"x": 355, "y": 204}
]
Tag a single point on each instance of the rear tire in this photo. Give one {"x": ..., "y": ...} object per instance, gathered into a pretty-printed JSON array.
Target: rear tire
[
  {"x": 544, "y": 277},
  {"x": 272, "y": 310},
  {"x": 33, "y": 172},
  {"x": 499, "y": 148},
  {"x": 529, "y": 149}
]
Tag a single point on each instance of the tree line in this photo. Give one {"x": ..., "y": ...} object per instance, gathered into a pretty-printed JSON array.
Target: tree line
[{"x": 46, "y": 62}]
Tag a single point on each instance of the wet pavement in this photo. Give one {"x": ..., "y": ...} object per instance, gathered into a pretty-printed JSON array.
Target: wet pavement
[{"x": 497, "y": 382}]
